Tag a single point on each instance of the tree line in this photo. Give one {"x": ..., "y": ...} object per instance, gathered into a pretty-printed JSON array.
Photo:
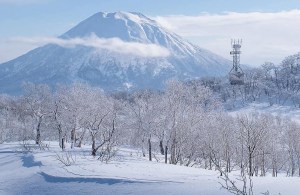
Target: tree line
[
  {"x": 185, "y": 124},
  {"x": 269, "y": 83}
]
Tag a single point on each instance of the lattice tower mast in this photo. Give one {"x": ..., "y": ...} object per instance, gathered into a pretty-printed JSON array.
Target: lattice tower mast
[{"x": 236, "y": 52}]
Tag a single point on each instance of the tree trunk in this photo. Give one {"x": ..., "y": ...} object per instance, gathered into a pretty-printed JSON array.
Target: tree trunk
[
  {"x": 166, "y": 154},
  {"x": 256, "y": 170},
  {"x": 150, "y": 152},
  {"x": 63, "y": 143},
  {"x": 250, "y": 160},
  {"x": 80, "y": 139},
  {"x": 228, "y": 165},
  {"x": 94, "y": 152},
  {"x": 292, "y": 165},
  {"x": 38, "y": 131},
  {"x": 161, "y": 147},
  {"x": 250, "y": 166},
  {"x": 73, "y": 138},
  {"x": 143, "y": 150},
  {"x": 93, "y": 146},
  {"x": 173, "y": 158},
  {"x": 274, "y": 168},
  {"x": 242, "y": 168},
  {"x": 38, "y": 136},
  {"x": 263, "y": 169},
  {"x": 60, "y": 136},
  {"x": 79, "y": 144},
  {"x": 210, "y": 161},
  {"x": 298, "y": 159}
]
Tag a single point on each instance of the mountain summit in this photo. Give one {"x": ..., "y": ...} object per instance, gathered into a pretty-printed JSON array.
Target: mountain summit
[{"x": 114, "y": 51}]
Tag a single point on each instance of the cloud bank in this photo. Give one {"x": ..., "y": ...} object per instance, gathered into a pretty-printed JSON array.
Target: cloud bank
[
  {"x": 266, "y": 36},
  {"x": 112, "y": 44}
]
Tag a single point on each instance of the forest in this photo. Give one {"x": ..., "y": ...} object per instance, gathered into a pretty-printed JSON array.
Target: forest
[{"x": 188, "y": 123}]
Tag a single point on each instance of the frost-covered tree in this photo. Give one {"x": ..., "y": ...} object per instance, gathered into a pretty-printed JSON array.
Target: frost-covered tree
[{"x": 37, "y": 103}]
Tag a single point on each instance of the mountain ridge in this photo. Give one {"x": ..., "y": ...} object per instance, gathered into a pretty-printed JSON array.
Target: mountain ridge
[{"x": 111, "y": 70}]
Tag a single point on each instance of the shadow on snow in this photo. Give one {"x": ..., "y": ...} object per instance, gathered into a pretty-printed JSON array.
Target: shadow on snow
[
  {"x": 28, "y": 161},
  {"x": 108, "y": 181}
]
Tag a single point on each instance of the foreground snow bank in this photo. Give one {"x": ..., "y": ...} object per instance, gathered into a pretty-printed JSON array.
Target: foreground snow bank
[{"x": 40, "y": 172}]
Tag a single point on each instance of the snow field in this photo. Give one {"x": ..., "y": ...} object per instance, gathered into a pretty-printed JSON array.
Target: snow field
[{"x": 39, "y": 172}]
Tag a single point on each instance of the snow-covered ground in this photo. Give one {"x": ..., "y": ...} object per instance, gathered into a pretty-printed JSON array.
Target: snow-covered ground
[
  {"x": 39, "y": 172},
  {"x": 290, "y": 112}
]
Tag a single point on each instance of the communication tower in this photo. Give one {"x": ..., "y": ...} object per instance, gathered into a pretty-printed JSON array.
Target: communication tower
[{"x": 236, "y": 74}]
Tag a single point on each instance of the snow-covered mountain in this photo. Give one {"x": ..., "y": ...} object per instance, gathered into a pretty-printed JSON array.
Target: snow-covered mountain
[{"x": 110, "y": 69}]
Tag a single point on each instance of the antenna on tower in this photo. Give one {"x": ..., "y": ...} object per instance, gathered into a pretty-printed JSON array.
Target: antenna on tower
[{"x": 236, "y": 74}]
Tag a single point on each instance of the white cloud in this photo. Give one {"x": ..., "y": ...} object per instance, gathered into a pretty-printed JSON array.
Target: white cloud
[
  {"x": 111, "y": 44},
  {"x": 266, "y": 36}
]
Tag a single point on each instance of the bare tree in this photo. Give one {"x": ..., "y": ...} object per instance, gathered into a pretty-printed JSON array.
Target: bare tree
[{"x": 37, "y": 103}]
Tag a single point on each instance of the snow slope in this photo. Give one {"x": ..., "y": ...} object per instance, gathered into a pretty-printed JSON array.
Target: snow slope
[
  {"x": 107, "y": 68},
  {"x": 39, "y": 172},
  {"x": 289, "y": 112}
]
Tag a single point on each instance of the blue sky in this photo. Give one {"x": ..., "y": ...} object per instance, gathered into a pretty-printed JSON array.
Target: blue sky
[
  {"x": 40, "y": 17},
  {"x": 29, "y": 18}
]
